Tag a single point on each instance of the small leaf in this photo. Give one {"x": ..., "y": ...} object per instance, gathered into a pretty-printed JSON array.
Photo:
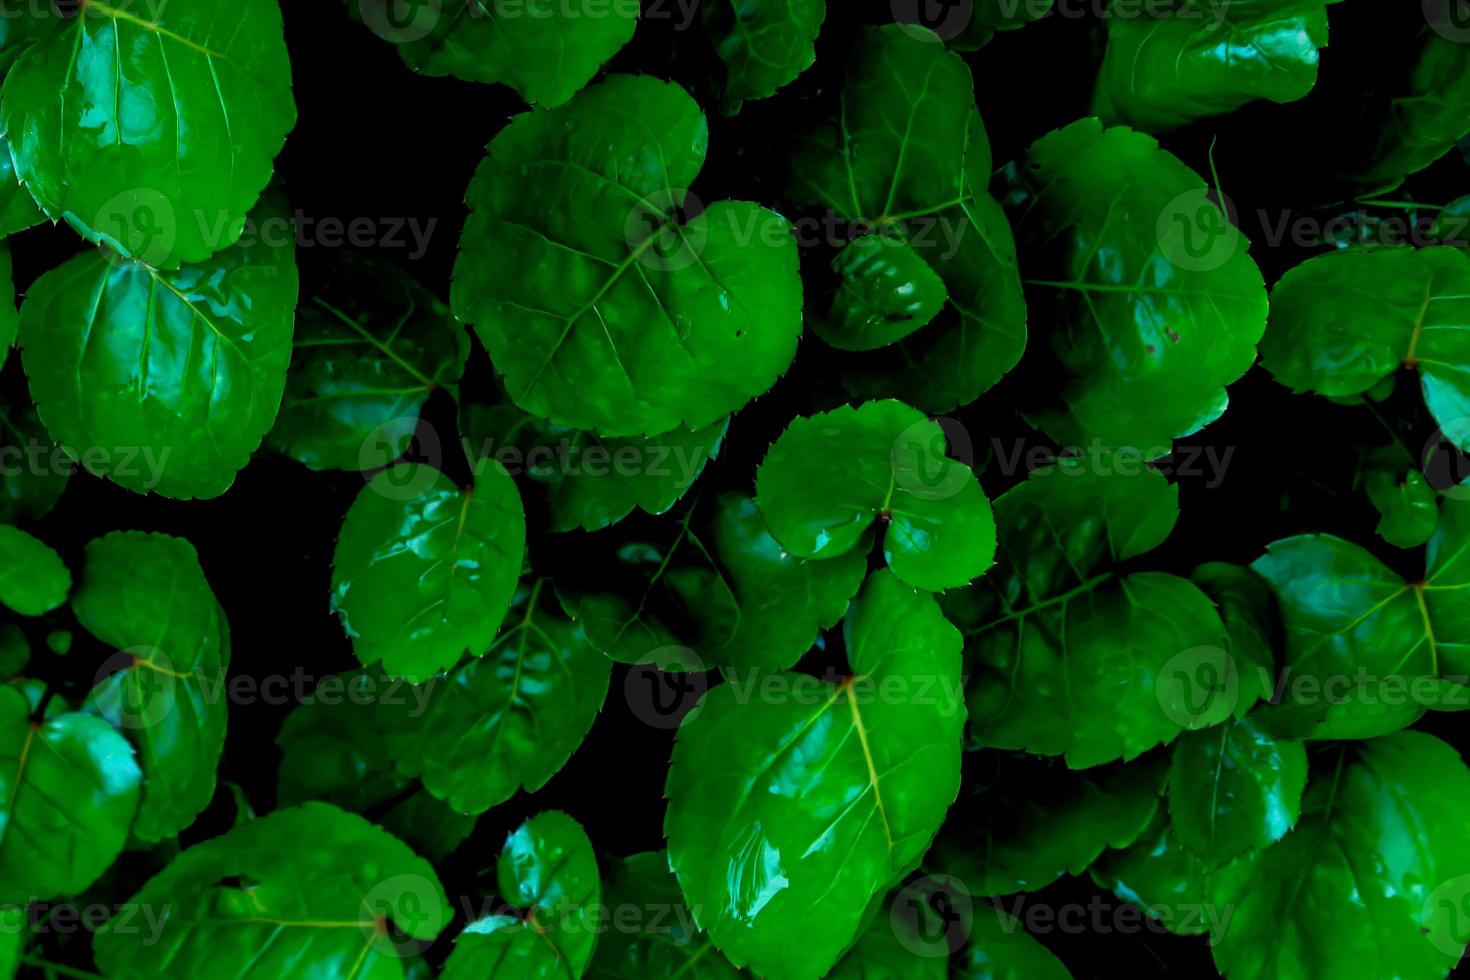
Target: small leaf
[
  {"x": 33, "y": 578},
  {"x": 887, "y": 293},
  {"x": 765, "y": 44}
]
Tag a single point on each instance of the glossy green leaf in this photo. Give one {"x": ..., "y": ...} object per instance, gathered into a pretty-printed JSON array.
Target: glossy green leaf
[
  {"x": 1151, "y": 304},
  {"x": 33, "y": 470},
  {"x": 604, "y": 308},
  {"x": 1165, "y": 879},
  {"x": 1407, "y": 505},
  {"x": 662, "y": 940},
  {"x": 1417, "y": 120},
  {"x": 908, "y": 159},
  {"x": 1234, "y": 789},
  {"x": 145, "y": 596},
  {"x": 19, "y": 27},
  {"x": 1067, "y": 654},
  {"x": 33, "y": 578},
  {"x": 68, "y": 792},
  {"x": 1001, "y": 949},
  {"x": 546, "y": 871},
  {"x": 724, "y": 589},
  {"x": 18, "y": 210},
  {"x": 1344, "y": 321},
  {"x": 512, "y": 718},
  {"x": 765, "y": 44},
  {"x": 591, "y": 481},
  {"x": 1252, "y": 621},
  {"x": 892, "y": 470},
  {"x": 1026, "y": 822},
  {"x": 793, "y": 804},
  {"x": 544, "y": 49},
  {"x": 163, "y": 381},
  {"x": 425, "y": 572},
  {"x": 152, "y": 129},
  {"x": 371, "y": 346},
  {"x": 887, "y": 292},
  {"x": 1203, "y": 58},
  {"x": 1370, "y": 883},
  {"x": 309, "y": 884}
]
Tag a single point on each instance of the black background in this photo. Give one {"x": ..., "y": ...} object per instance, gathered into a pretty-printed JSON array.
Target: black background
[{"x": 375, "y": 140}]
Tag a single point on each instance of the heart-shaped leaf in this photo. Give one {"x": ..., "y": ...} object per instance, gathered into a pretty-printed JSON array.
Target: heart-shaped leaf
[
  {"x": 33, "y": 578},
  {"x": 788, "y": 814},
  {"x": 764, "y": 44},
  {"x": 601, "y": 305}
]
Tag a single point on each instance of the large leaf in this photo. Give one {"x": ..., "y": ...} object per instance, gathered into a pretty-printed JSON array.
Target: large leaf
[
  {"x": 33, "y": 578},
  {"x": 371, "y": 346},
  {"x": 544, "y": 49},
  {"x": 764, "y": 44},
  {"x": 548, "y": 873},
  {"x": 1344, "y": 321},
  {"x": 163, "y": 381},
  {"x": 1068, "y": 654},
  {"x": 145, "y": 596},
  {"x": 789, "y": 813},
  {"x": 893, "y": 470},
  {"x": 311, "y": 884},
  {"x": 155, "y": 137},
  {"x": 906, "y": 164},
  {"x": 425, "y": 572},
  {"x": 1151, "y": 304},
  {"x": 1416, "y": 121},
  {"x": 663, "y": 941},
  {"x": 34, "y": 469},
  {"x": 68, "y": 792},
  {"x": 600, "y": 305},
  {"x": 1202, "y": 58},
  {"x": 513, "y": 717}
]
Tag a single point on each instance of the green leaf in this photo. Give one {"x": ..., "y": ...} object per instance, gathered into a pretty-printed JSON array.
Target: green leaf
[
  {"x": 1344, "y": 321},
  {"x": 894, "y": 945},
  {"x": 1068, "y": 655},
  {"x": 765, "y": 44},
  {"x": 939, "y": 532},
  {"x": 18, "y": 210},
  {"x": 15, "y": 651},
  {"x": 33, "y": 578},
  {"x": 1143, "y": 286},
  {"x": 1200, "y": 58},
  {"x": 663, "y": 941},
  {"x": 1027, "y": 822},
  {"x": 155, "y": 137},
  {"x": 145, "y": 596},
  {"x": 592, "y": 482},
  {"x": 1408, "y": 507},
  {"x": 1001, "y": 949},
  {"x": 425, "y": 572},
  {"x": 1247, "y": 607},
  {"x": 726, "y": 590},
  {"x": 548, "y": 872},
  {"x": 788, "y": 814},
  {"x": 544, "y": 49},
  {"x": 68, "y": 793},
  {"x": 34, "y": 470},
  {"x": 163, "y": 381},
  {"x": 1234, "y": 789},
  {"x": 601, "y": 306},
  {"x": 1418, "y": 119},
  {"x": 311, "y": 884},
  {"x": 1372, "y": 880},
  {"x": 370, "y": 348},
  {"x": 21, "y": 25},
  {"x": 512, "y": 718},
  {"x": 1165, "y": 879},
  {"x": 988, "y": 16},
  {"x": 908, "y": 160}
]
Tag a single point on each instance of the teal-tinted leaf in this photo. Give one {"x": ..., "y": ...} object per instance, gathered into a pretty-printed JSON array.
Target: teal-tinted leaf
[
  {"x": 1027, "y": 822},
  {"x": 1418, "y": 120},
  {"x": 370, "y": 348},
  {"x": 513, "y": 717},
  {"x": 1201, "y": 58},
  {"x": 15, "y": 652},
  {"x": 1234, "y": 789},
  {"x": 663, "y": 941},
  {"x": 1165, "y": 879},
  {"x": 18, "y": 210},
  {"x": 1069, "y": 656},
  {"x": 309, "y": 884},
  {"x": 1407, "y": 505},
  {"x": 153, "y": 136},
  {"x": 145, "y": 596},
  {"x": 19, "y": 27},
  {"x": 764, "y": 44},
  {"x": 163, "y": 381},
  {"x": 544, "y": 49},
  {"x": 33, "y": 578},
  {"x": 68, "y": 793},
  {"x": 1372, "y": 880},
  {"x": 908, "y": 159},
  {"x": 1144, "y": 287},
  {"x": 591, "y": 481},
  {"x": 790, "y": 812},
  {"x": 424, "y": 572},
  {"x": 33, "y": 470},
  {"x": 1342, "y": 322},
  {"x": 548, "y": 872},
  {"x": 893, "y": 470},
  {"x": 603, "y": 308},
  {"x": 887, "y": 292}
]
